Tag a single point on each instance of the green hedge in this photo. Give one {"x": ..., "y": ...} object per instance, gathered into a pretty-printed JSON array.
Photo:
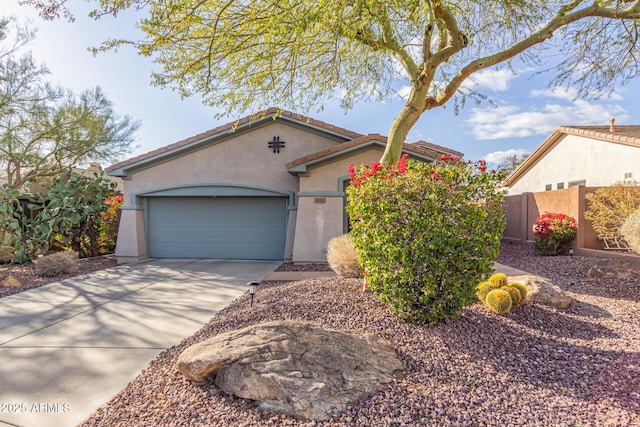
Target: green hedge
[{"x": 426, "y": 233}]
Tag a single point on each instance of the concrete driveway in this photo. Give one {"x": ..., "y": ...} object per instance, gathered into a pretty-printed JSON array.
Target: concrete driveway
[{"x": 68, "y": 347}]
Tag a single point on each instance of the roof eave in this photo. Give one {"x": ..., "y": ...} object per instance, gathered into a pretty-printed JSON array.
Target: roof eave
[
  {"x": 124, "y": 169},
  {"x": 534, "y": 157},
  {"x": 303, "y": 168}
]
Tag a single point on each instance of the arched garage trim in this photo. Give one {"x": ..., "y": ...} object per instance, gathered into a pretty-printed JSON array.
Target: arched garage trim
[{"x": 215, "y": 189}]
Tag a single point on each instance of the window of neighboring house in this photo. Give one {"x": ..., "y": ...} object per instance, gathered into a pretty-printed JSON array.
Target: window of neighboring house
[
  {"x": 628, "y": 175},
  {"x": 560, "y": 185},
  {"x": 582, "y": 182},
  {"x": 547, "y": 187}
]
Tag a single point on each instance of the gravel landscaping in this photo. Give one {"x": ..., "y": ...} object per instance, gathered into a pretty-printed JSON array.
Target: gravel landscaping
[
  {"x": 26, "y": 273},
  {"x": 535, "y": 366}
]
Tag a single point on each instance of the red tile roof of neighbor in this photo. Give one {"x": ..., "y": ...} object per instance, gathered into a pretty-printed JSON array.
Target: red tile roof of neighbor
[
  {"x": 231, "y": 126},
  {"x": 420, "y": 147},
  {"x": 626, "y": 134}
]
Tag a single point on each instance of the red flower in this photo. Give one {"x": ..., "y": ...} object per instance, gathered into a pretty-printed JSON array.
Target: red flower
[
  {"x": 449, "y": 158},
  {"x": 402, "y": 164}
]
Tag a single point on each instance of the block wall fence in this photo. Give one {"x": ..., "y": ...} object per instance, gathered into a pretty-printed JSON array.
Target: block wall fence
[{"x": 523, "y": 209}]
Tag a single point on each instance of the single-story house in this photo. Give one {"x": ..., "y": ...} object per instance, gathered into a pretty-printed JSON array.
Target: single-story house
[
  {"x": 268, "y": 186},
  {"x": 593, "y": 156}
]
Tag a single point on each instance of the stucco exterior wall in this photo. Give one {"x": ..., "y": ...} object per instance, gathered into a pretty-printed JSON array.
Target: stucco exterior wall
[
  {"x": 319, "y": 219},
  {"x": 321, "y": 205},
  {"x": 131, "y": 244},
  {"x": 523, "y": 209},
  {"x": 325, "y": 177},
  {"x": 575, "y": 158},
  {"x": 243, "y": 159}
]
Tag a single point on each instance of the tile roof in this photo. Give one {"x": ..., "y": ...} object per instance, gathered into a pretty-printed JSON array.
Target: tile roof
[
  {"x": 438, "y": 148},
  {"x": 232, "y": 126},
  {"x": 423, "y": 148},
  {"x": 625, "y": 134}
]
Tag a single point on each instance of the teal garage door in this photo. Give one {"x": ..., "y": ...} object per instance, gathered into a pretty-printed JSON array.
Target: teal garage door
[{"x": 217, "y": 227}]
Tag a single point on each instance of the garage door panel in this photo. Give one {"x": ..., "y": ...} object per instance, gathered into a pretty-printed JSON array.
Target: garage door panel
[{"x": 222, "y": 227}]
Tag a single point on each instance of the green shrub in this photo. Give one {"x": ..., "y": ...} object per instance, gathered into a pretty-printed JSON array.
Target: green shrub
[
  {"x": 630, "y": 231},
  {"x": 56, "y": 264},
  {"x": 425, "y": 233},
  {"x": 342, "y": 258},
  {"x": 609, "y": 207}
]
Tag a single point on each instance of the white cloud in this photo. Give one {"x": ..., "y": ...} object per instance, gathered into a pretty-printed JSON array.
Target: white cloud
[
  {"x": 567, "y": 94},
  {"x": 510, "y": 121},
  {"x": 498, "y": 157},
  {"x": 495, "y": 80},
  {"x": 415, "y": 135},
  {"x": 570, "y": 94}
]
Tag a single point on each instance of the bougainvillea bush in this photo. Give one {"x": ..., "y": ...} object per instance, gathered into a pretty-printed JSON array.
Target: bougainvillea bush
[
  {"x": 426, "y": 233},
  {"x": 554, "y": 233}
]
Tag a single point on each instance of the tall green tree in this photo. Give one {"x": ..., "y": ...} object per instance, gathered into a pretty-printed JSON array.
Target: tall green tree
[
  {"x": 44, "y": 130},
  {"x": 242, "y": 54}
]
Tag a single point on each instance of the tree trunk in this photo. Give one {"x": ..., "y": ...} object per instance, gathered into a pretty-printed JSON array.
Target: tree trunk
[{"x": 401, "y": 126}]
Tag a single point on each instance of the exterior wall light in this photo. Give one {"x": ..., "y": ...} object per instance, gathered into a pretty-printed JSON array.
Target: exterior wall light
[
  {"x": 276, "y": 144},
  {"x": 253, "y": 286}
]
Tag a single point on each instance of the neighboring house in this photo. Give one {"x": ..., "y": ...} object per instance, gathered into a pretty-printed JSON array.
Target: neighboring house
[
  {"x": 573, "y": 162},
  {"x": 269, "y": 186},
  {"x": 593, "y": 156},
  {"x": 96, "y": 168}
]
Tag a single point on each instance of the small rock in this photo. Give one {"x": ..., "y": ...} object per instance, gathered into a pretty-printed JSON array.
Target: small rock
[
  {"x": 543, "y": 292},
  {"x": 11, "y": 282}
]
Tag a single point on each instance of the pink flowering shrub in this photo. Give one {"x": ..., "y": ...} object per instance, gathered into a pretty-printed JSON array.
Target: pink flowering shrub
[
  {"x": 425, "y": 233},
  {"x": 554, "y": 233}
]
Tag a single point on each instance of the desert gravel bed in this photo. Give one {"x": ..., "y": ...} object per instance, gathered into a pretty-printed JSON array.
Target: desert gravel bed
[
  {"x": 536, "y": 366},
  {"x": 26, "y": 273}
]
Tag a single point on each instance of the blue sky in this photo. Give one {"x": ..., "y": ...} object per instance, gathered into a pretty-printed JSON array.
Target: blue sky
[{"x": 523, "y": 112}]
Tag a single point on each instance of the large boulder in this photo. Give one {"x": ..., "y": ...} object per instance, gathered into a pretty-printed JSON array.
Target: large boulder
[
  {"x": 618, "y": 268},
  {"x": 542, "y": 291},
  {"x": 295, "y": 368}
]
